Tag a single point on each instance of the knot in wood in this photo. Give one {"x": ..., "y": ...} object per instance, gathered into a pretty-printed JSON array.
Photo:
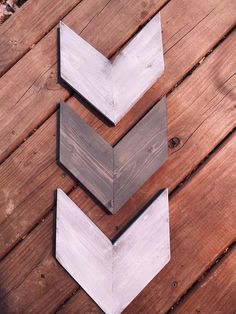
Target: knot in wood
[{"x": 174, "y": 142}]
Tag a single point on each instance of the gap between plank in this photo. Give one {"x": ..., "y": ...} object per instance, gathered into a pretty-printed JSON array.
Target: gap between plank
[
  {"x": 71, "y": 92},
  {"x": 167, "y": 94},
  {"x": 37, "y": 41},
  {"x": 183, "y": 183},
  {"x": 192, "y": 173},
  {"x": 221, "y": 257}
]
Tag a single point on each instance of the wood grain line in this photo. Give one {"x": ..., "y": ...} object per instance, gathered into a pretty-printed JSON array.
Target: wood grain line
[
  {"x": 103, "y": 82},
  {"x": 33, "y": 21},
  {"x": 86, "y": 155},
  {"x": 112, "y": 175},
  {"x": 216, "y": 292},
  {"x": 113, "y": 273}
]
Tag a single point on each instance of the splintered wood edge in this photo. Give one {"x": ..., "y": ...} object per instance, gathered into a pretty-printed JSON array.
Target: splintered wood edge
[
  {"x": 107, "y": 270},
  {"x": 113, "y": 175}
]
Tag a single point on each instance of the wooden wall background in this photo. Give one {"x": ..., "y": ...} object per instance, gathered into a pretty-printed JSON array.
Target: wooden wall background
[{"x": 199, "y": 44}]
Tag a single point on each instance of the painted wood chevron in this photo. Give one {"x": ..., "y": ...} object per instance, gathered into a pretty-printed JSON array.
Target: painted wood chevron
[
  {"x": 113, "y": 86},
  {"x": 113, "y": 174},
  {"x": 113, "y": 273}
]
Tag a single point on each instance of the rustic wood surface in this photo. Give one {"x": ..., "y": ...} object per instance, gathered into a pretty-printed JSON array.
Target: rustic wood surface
[
  {"x": 218, "y": 285},
  {"x": 103, "y": 82},
  {"x": 113, "y": 273},
  {"x": 16, "y": 37},
  {"x": 113, "y": 174},
  {"x": 200, "y": 80}
]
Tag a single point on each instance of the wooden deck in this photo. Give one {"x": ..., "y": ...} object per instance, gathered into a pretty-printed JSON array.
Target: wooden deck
[{"x": 200, "y": 82}]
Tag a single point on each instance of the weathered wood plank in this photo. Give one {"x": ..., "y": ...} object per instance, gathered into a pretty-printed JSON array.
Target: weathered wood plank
[
  {"x": 20, "y": 207},
  {"x": 182, "y": 245},
  {"x": 27, "y": 103},
  {"x": 112, "y": 175},
  {"x": 216, "y": 293},
  {"x": 113, "y": 273},
  {"x": 103, "y": 82},
  {"x": 30, "y": 101},
  {"x": 213, "y": 206},
  {"x": 38, "y": 94},
  {"x": 27, "y": 26},
  {"x": 86, "y": 155},
  {"x": 192, "y": 149}
]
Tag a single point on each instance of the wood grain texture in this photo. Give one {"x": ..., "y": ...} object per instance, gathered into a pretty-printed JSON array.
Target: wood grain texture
[
  {"x": 139, "y": 154},
  {"x": 212, "y": 208},
  {"x": 107, "y": 26},
  {"x": 86, "y": 155},
  {"x": 199, "y": 117},
  {"x": 103, "y": 82},
  {"x": 216, "y": 292},
  {"x": 112, "y": 175},
  {"x": 34, "y": 20},
  {"x": 112, "y": 273}
]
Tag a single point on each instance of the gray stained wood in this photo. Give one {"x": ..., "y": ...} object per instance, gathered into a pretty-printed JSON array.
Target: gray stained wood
[
  {"x": 86, "y": 155},
  {"x": 103, "y": 82},
  {"x": 113, "y": 174},
  {"x": 113, "y": 273}
]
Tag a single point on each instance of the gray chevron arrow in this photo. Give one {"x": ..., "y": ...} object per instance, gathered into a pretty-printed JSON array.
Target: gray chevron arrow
[{"x": 113, "y": 174}]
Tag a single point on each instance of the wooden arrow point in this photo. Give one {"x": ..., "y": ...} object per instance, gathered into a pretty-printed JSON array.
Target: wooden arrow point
[
  {"x": 113, "y": 174},
  {"x": 103, "y": 82},
  {"x": 112, "y": 273}
]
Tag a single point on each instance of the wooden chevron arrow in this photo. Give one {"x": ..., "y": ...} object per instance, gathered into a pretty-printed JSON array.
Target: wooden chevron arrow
[
  {"x": 112, "y": 86},
  {"x": 113, "y": 273},
  {"x": 113, "y": 174}
]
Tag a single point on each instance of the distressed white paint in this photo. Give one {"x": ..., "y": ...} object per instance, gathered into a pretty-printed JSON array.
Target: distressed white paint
[
  {"x": 113, "y": 86},
  {"x": 112, "y": 274}
]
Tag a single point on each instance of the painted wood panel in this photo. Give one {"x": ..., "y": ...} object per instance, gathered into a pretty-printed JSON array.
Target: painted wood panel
[
  {"x": 113, "y": 272},
  {"x": 25, "y": 204},
  {"x": 112, "y": 175},
  {"x": 113, "y": 86},
  {"x": 86, "y": 155},
  {"x": 140, "y": 153}
]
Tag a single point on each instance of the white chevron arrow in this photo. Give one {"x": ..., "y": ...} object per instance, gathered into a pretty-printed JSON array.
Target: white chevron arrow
[
  {"x": 113, "y": 273},
  {"x": 112, "y": 86}
]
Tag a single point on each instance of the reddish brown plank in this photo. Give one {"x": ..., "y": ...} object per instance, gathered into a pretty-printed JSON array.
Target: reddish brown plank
[
  {"x": 199, "y": 194},
  {"x": 201, "y": 210},
  {"x": 27, "y": 26},
  {"x": 180, "y": 163},
  {"x": 44, "y": 178},
  {"x": 28, "y": 102},
  {"x": 36, "y": 97},
  {"x": 216, "y": 293}
]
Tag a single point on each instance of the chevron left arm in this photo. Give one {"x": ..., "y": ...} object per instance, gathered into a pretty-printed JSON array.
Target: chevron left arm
[{"x": 86, "y": 155}]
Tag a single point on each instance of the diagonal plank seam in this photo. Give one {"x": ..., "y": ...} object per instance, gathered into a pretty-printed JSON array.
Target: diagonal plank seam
[
  {"x": 167, "y": 94},
  {"x": 38, "y": 40},
  {"x": 176, "y": 85},
  {"x": 176, "y": 190},
  {"x": 177, "y": 187},
  {"x": 113, "y": 174},
  {"x": 202, "y": 59},
  {"x": 216, "y": 263},
  {"x": 207, "y": 117}
]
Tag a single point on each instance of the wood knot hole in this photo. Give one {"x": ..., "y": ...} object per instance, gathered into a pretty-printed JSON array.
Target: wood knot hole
[
  {"x": 174, "y": 284},
  {"x": 174, "y": 142}
]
